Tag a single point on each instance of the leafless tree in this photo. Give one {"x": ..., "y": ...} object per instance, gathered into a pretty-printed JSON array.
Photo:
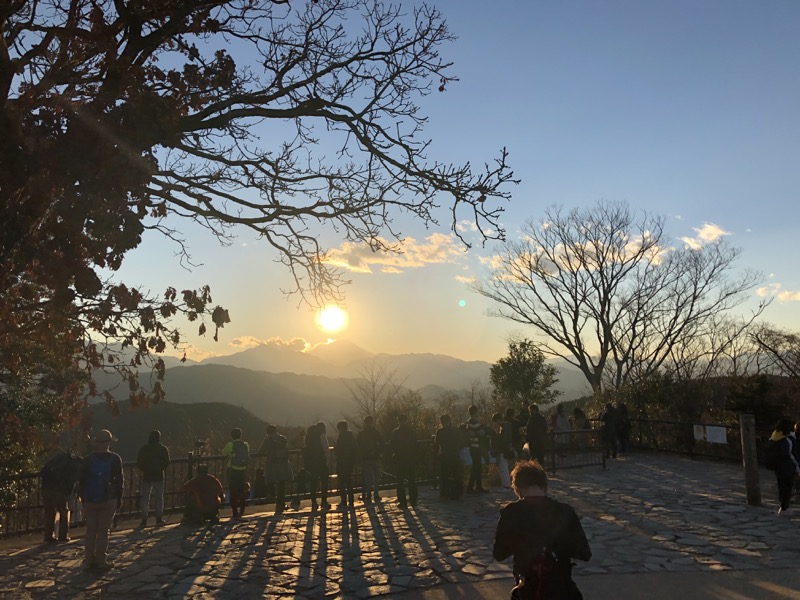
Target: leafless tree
[
  {"x": 608, "y": 293},
  {"x": 376, "y": 387},
  {"x": 781, "y": 348}
]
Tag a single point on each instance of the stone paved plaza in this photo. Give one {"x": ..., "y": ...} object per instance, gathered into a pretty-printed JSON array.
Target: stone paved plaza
[{"x": 645, "y": 514}]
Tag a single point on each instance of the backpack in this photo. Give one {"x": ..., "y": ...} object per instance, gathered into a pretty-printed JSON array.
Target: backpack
[
  {"x": 241, "y": 456},
  {"x": 771, "y": 455},
  {"x": 98, "y": 481},
  {"x": 541, "y": 579}
]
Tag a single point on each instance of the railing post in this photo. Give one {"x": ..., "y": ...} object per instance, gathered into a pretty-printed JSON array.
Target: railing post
[
  {"x": 190, "y": 465},
  {"x": 747, "y": 427}
]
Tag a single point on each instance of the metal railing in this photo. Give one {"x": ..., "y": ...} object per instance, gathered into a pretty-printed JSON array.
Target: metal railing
[{"x": 22, "y": 510}]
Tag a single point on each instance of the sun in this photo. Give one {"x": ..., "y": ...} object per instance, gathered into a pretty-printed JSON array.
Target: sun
[{"x": 332, "y": 319}]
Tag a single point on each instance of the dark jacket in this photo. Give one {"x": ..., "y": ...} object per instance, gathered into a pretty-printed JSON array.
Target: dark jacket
[
  {"x": 448, "y": 441},
  {"x": 153, "y": 459},
  {"x": 538, "y": 528},
  {"x": 536, "y": 430},
  {"x": 403, "y": 445},
  {"x": 276, "y": 449},
  {"x": 787, "y": 453},
  {"x": 60, "y": 474},
  {"x": 346, "y": 450},
  {"x": 370, "y": 443}
]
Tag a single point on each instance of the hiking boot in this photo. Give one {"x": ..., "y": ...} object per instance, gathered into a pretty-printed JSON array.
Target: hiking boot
[
  {"x": 160, "y": 522},
  {"x": 142, "y": 524}
]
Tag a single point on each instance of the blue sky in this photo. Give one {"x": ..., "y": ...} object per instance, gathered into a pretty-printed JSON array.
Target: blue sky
[{"x": 687, "y": 109}]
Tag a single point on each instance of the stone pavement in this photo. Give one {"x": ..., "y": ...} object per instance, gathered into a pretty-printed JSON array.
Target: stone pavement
[{"x": 659, "y": 527}]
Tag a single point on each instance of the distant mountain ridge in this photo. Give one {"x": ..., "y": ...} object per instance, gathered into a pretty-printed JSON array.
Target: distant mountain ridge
[
  {"x": 280, "y": 384},
  {"x": 346, "y": 360}
]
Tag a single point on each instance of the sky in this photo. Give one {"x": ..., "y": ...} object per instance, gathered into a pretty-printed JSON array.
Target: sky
[{"x": 689, "y": 109}]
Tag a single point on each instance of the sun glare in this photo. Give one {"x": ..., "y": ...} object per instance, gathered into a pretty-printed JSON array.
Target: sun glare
[{"x": 332, "y": 319}]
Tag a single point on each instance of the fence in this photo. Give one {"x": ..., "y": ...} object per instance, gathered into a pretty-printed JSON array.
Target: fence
[{"x": 22, "y": 511}]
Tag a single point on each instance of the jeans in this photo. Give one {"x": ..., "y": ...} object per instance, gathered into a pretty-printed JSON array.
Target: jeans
[
  {"x": 372, "y": 477},
  {"x": 99, "y": 517},
  {"x": 148, "y": 488}
]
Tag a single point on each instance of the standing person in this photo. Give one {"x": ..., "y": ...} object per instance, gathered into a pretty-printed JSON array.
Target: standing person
[
  {"x": 315, "y": 463},
  {"x": 153, "y": 460},
  {"x": 346, "y": 451},
  {"x": 561, "y": 428},
  {"x": 476, "y": 442},
  {"x": 782, "y": 456},
  {"x": 101, "y": 484},
  {"x": 60, "y": 476},
  {"x": 623, "y": 426},
  {"x": 515, "y": 428},
  {"x": 403, "y": 445},
  {"x": 535, "y": 433},
  {"x": 580, "y": 422},
  {"x": 447, "y": 444},
  {"x": 370, "y": 445},
  {"x": 204, "y": 498},
  {"x": 504, "y": 448},
  {"x": 279, "y": 471},
  {"x": 521, "y": 422},
  {"x": 543, "y": 535},
  {"x": 238, "y": 453},
  {"x": 609, "y": 430}
]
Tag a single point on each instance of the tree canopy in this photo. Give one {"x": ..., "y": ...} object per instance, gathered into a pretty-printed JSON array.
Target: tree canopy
[
  {"x": 123, "y": 116},
  {"x": 523, "y": 377}
]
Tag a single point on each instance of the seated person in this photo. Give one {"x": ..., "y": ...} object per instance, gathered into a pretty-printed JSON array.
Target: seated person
[{"x": 204, "y": 497}]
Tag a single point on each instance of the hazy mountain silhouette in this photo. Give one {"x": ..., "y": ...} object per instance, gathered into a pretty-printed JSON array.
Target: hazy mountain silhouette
[{"x": 279, "y": 383}]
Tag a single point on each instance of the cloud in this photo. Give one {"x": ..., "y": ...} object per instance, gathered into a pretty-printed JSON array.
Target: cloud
[
  {"x": 248, "y": 341},
  {"x": 776, "y": 290},
  {"x": 463, "y": 279},
  {"x": 198, "y": 354},
  {"x": 437, "y": 248},
  {"x": 706, "y": 234}
]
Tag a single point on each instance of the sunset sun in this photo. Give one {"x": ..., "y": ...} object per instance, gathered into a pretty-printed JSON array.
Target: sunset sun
[{"x": 332, "y": 319}]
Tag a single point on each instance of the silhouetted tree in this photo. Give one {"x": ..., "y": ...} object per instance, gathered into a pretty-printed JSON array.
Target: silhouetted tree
[
  {"x": 609, "y": 294},
  {"x": 523, "y": 377}
]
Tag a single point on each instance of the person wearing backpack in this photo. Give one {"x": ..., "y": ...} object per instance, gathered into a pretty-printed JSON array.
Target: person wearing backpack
[
  {"x": 100, "y": 485},
  {"x": 152, "y": 460},
  {"x": 370, "y": 445},
  {"x": 238, "y": 453},
  {"x": 279, "y": 471},
  {"x": 782, "y": 457},
  {"x": 59, "y": 479},
  {"x": 543, "y": 536}
]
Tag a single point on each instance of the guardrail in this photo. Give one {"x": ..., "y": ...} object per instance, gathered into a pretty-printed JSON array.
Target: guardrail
[{"x": 22, "y": 511}]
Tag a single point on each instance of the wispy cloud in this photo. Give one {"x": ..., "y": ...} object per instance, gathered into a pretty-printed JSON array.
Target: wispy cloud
[
  {"x": 198, "y": 354},
  {"x": 359, "y": 258},
  {"x": 706, "y": 234},
  {"x": 248, "y": 341},
  {"x": 776, "y": 290}
]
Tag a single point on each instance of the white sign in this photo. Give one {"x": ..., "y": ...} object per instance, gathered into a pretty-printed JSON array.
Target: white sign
[{"x": 716, "y": 435}]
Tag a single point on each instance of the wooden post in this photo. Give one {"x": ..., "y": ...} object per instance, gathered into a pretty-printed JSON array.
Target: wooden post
[{"x": 747, "y": 426}]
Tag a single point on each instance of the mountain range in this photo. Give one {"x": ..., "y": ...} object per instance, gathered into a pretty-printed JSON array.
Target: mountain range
[{"x": 281, "y": 384}]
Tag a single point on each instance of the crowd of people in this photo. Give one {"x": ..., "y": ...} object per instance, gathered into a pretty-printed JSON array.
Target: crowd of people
[{"x": 542, "y": 535}]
